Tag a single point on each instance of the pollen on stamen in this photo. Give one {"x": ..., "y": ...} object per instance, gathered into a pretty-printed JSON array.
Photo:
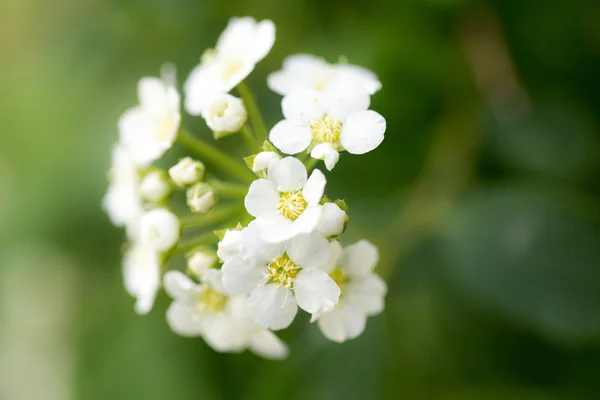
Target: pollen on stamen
[
  {"x": 326, "y": 130},
  {"x": 291, "y": 204}
]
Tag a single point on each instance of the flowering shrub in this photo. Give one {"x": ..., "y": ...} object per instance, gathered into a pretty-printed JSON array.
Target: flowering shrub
[{"x": 259, "y": 260}]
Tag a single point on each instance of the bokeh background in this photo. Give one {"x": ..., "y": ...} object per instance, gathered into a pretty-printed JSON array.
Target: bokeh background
[{"x": 484, "y": 200}]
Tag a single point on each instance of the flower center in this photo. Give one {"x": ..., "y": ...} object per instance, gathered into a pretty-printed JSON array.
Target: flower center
[
  {"x": 283, "y": 271},
  {"x": 212, "y": 300},
  {"x": 165, "y": 127},
  {"x": 326, "y": 130},
  {"x": 291, "y": 204},
  {"x": 229, "y": 68},
  {"x": 340, "y": 277}
]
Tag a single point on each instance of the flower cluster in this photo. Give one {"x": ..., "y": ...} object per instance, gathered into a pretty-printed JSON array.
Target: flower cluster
[{"x": 258, "y": 248}]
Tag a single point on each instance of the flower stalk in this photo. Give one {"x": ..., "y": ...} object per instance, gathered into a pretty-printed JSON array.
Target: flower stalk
[{"x": 256, "y": 118}]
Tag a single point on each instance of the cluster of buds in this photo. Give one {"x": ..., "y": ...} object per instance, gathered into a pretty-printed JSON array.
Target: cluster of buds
[{"x": 267, "y": 240}]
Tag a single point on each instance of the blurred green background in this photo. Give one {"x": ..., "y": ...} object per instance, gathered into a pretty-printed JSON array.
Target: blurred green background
[{"x": 484, "y": 200}]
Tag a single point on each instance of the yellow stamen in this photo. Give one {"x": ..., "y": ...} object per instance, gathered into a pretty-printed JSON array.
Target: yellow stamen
[
  {"x": 291, "y": 204},
  {"x": 326, "y": 130},
  {"x": 282, "y": 271},
  {"x": 212, "y": 300},
  {"x": 340, "y": 277}
]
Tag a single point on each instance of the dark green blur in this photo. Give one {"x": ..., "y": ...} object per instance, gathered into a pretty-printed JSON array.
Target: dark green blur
[{"x": 483, "y": 198}]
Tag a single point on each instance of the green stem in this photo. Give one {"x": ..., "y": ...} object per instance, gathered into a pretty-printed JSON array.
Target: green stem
[
  {"x": 215, "y": 156},
  {"x": 227, "y": 189},
  {"x": 187, "y": 245},
  {"x": 213, "y": 217},
  {"x": 249, "y": 137},
  {"x": 258, "y": 123},
  {"x": 310, "y": 163}
]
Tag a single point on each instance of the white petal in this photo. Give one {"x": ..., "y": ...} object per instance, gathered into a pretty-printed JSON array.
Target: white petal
[
  {"x": 299, "y": 71},
  {"x": 326, "y": 152},
  {"x": 360, "y": 258},
  {"x": 225, "y": 334},
  {"x": 137, "y": 134},
  {"x": 367, "y": 294},
  {"x": 160, "y": 228},
  {"x": 334, "y": 257},
  {"x": 345, "y": 322},
  {"x": 254, "y": 249},
  {"x": 240, "y": 277},
  {"x": 266, "y": 344},
  {"x": 202, "y": 85},
  {"x": 360, "y": 76},
  {"x": 245, "y": 38},
  {"x": 307, "y": 221},
  {"x": 141, "y": 276},
  {"x": 177, "y": 285},
  {"x": 290, "y": 138},
  {"x": 315, "y": 291},
  {"x": 309, "y": 250},
  {"x": 264, "y": 159},
  {"x": 288, "y": 174},
  {"x": 344, "y": 100},
  {"x": 214, "y": 278},
  {"x": 184, "y": 320},
  {"x": 363, "y": 132},
  {"x": 332, "y": 220},
  {"x": 272, "y": 307},
  {"x": 314, "y": 188},
  {"x": 275, "y": 228},
  {"x": 262, "y": 197},
  {"x": 230, "y": 246},
  {"x": 303, "y": 106}
]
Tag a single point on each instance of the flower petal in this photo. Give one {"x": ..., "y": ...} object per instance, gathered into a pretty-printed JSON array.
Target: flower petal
[
  {"x": 266, "y": 344},
  {"x": 332, "y": 220},
  {"x": 141, "y": 276},
  {"x": 363, "y": 132},
  {"x": 315, "y": 291},
  {"x": 255, "y": 249},
  {"x": 184, "y": 320},
  {"x": 299, "y": 71},
  {"x": 275, "y": 228},
  {"x": 288, "y": 174},
  {"x": 326, "y": 152},
  {"x": 202, "y": 85},
  {"x": 334, "y": 257},
  {"x": 314, "y": 188},
  {"x": 302, "y": 106},
  {"x": 362, "y": 77},
  {"x": 360, "y": 258},
  {"x": 240, "y": 277},
  {"x": 262, "y": 197},
  {"x": 367, "y": 293},
  {"x": 307, "y": 221},
  {"x": 343, "y": 100},
  {"x": 309, "y": 250},
  {"x": 245, "y": 38},
  {"x": 214, "y": 278},
  {"x": 177, "y": 285},
  {"x": 289, "y": 137},
  {"x": 272, "y": 307},
  {"x": 225, "y": 334},
  {"x": 345, "y": 322}
]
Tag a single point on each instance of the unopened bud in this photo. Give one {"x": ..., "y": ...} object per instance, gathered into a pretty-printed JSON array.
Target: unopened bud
[
  {"x": 225, "y": 114},
  {"x": 200, "y": 198},
  {"x": 186, "y": 172}
]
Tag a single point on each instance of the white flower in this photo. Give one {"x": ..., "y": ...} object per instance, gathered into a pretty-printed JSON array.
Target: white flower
[
  {"x": 155, "y": 187},
  {"x": 243, "y": 44},
  {"x": 200, "y": 198},
  {"x": 229, "y": 246},
  {"x": 332, "y": 220},
  {"x": 186, "y": 171},
  {"x": 281, "y": 277},
  {"x": 327, "y": 123},
  {"x": 150, "y": 128},
  {"x": 225, "y": 113},
  {"x": 200, "y": 261},
  {"x": 141, "y": 275},
  {"x": 207, "y": 310},
  {"x": 160, "y": 228},
  {"x": 123, "y": 202},
  {"x": 362, "y": 290},
  {"x": 305, "y": 71},
  {"x": 286, "y": 204},
  {"x": 263, "y": 160}
]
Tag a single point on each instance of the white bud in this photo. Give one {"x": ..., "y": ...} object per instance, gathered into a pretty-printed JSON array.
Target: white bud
[
  {"x": 263, "y": 160},
  {"x": 155, "y": 187},
  {"x": 200, "y": 197},
  {"x": 160, "y": 228},
  {"x": 231, "y": 244},
  {"x": 225, "y": 113},
  {"x": 186, "y": 171},
  {"x": 332, "y": 220},
  {"x": 200, "y": 261}
]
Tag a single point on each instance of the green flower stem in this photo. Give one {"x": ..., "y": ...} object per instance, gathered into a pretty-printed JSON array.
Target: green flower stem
[
  {"x": 226, "y": 189},
  {"x": 183, "y": 247},
  {"x": 213, "y": 217},
  {"x": 310, "y": 163},
  {"x": 258, "y": 123},
  {"x": 249, "y": 137},
  {"x": 215, "y": 156}
]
